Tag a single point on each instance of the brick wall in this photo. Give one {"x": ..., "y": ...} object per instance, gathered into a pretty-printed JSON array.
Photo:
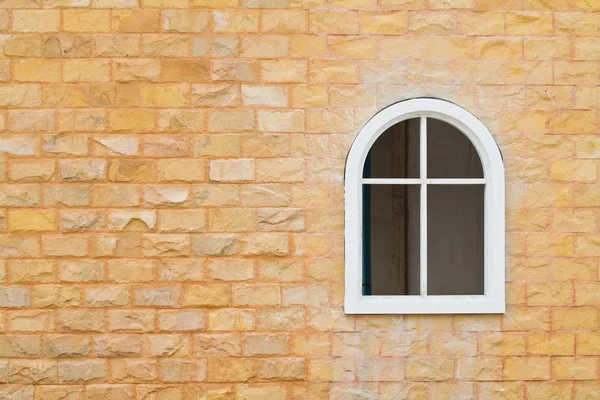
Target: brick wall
[{"x": 171, "y": 197}]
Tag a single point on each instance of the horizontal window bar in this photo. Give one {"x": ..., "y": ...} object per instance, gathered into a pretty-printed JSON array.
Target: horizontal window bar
[{"x": 409, "y": 181}]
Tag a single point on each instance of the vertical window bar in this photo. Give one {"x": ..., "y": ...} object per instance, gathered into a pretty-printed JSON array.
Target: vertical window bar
[
  {"x": 423, "y": 213},
  {"x": 366, "y": 271}
]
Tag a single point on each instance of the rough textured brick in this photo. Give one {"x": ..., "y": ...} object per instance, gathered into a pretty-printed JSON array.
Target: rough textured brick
[{"x": 171, "y": 197}]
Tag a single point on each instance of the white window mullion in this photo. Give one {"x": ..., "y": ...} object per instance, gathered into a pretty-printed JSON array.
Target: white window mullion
[{"x": 423, "y": 211}]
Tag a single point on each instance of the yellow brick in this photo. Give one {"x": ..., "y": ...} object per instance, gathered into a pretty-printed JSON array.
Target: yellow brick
[
  {"x": 29, "y": 220},
  {"x": 498, "y": 48},
  {"x": 287, "y": 71},
  {"x": 432, "y": 23},
  {"x": 117, "y": 45},
  {"x": 574, "y": 318},
  {"x": 529, "y": 23},
  {"x": 576, "y": 24},
  {"x": 576, "y": 73},
  {"x": 554, "y": 293},
  {"x": 404, "y": 4},
  {"x": 309, "y": 96},
  {"x": 185, "y": 21},
  {"x": 383, "y": 23},
  {"x": 403, "y": 47},
  {"x": 137, "y": 70},
  {"x": 265, "y": 46},
  {"x": 284, "y": 21},
  {"x": 558, "y": 5},
  {"x": 236, "y": 21},
  {"x": 451, "y": 4},
  {"x": 573, "y": 170},
  {"x": 547, "y": 49},
  {"x": 305, "y": 46},
  {"x": 481, "y": 23},
  {"x": 527, "y": 368},
  {"x": 136, "y": 20},
  {"x": 548, "y": 244},
  {"x": 334, "y": 22},
  {"x": 588, "y": 343},
  {"x": 164, "y": 95},
  {"x": 182, "y": 70},
  {"x": 502, "y": 344},
  {"x": 554, "y": 344},
  {"x": 31, "y": 171},
  {"x": 86, "y": 20},
  {"x": 36, "y": 20},
  {"x": 343, "y": 47},
  {"x": 86, "y": 71},
  {"x": 549, "y": 390},
  {"x": 65, "y": 96},
  {"x": 573, "y": 122},
  {"x": 450, "y": 48},
  {"x": 526, "y": 318},
  {"x": 131, "y": 120},
  {"x": 575, "y": 368},
  {"x": 37, "y": 70}
]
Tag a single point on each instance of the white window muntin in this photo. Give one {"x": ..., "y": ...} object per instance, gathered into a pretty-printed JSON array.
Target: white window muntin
[{"x": 493, "y": 169}]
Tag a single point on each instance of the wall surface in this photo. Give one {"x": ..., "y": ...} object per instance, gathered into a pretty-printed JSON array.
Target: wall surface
[{"x": 171, "y": 197}]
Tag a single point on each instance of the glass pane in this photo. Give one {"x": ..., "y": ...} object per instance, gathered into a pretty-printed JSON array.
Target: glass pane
[
  {"x": 455, "y": 236},
  {"x": 450, "y": 154},
  {"x": 395, "y": 154},
  {"x": 391, "y": 239}
]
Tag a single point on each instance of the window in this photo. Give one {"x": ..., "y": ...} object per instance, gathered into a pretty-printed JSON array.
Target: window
[{"x": 424, "y": 190}]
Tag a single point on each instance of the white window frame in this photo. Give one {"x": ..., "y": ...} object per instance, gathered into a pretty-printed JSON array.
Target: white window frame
[{"x": 493, "y": 299}]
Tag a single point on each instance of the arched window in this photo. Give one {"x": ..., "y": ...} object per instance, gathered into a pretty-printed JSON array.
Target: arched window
[{"x": 424, "y": 192}]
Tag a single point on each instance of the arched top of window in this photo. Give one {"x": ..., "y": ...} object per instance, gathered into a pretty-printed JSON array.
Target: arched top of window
[{"x": 416, "y": 159}]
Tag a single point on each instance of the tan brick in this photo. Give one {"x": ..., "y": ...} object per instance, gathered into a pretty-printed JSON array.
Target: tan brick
[
  {"x": 284, "y": 71},
  {"x": 236, "y": 21},
  {"x": 31, "y": 171},
  {"x": 574, "y": 318},
  {"x": 207, "y": 296},
  {"x": 182, "y": 221},
  {"x": 551, "y": 344},
  {"x": 221, "y": 95},
  {"x": 284, "y": 21},
  {"x": 265, "y": 46},
  {"x": 160, "y": 45},
  {"x": 232, "y": 170},
  {"x": 37, "y": 71},
  {"x": 305, "y": 46},
  {"x": 571, "y": 368},
  {"x": 181, "y": 120},
  {"x": 217, "y": 146},
  {"x": 131, "y": 120},
  {"x": 498, "y": 48},
  {"x": 527, "y": 368},
  {"x": 36, "y": 21},
  {"x": 231, "y": 121},
  {"x": 133, "y": 370},
  {"x": 137, "y": 70},
  {"x": 66, "y": 346},
  {"x": 21, "y": 271},
  {"x": 136, "y": 20},
  {"x": 164, "y": 96},
  {"x": 232, "y": 269},
  {"x": 186, "y": 20},
  {"x": 83, "y": 371},
  {"x": 529, "y": 23},
  {"x": 86, "y": 20}
]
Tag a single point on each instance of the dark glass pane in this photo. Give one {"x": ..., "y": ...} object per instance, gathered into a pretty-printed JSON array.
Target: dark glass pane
[
  {"x": 450, "y": 154},
  {"x": 395, "y": 154},
  {"x": 455, "y": 237},
  {"x": 391, "y": 239}
]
